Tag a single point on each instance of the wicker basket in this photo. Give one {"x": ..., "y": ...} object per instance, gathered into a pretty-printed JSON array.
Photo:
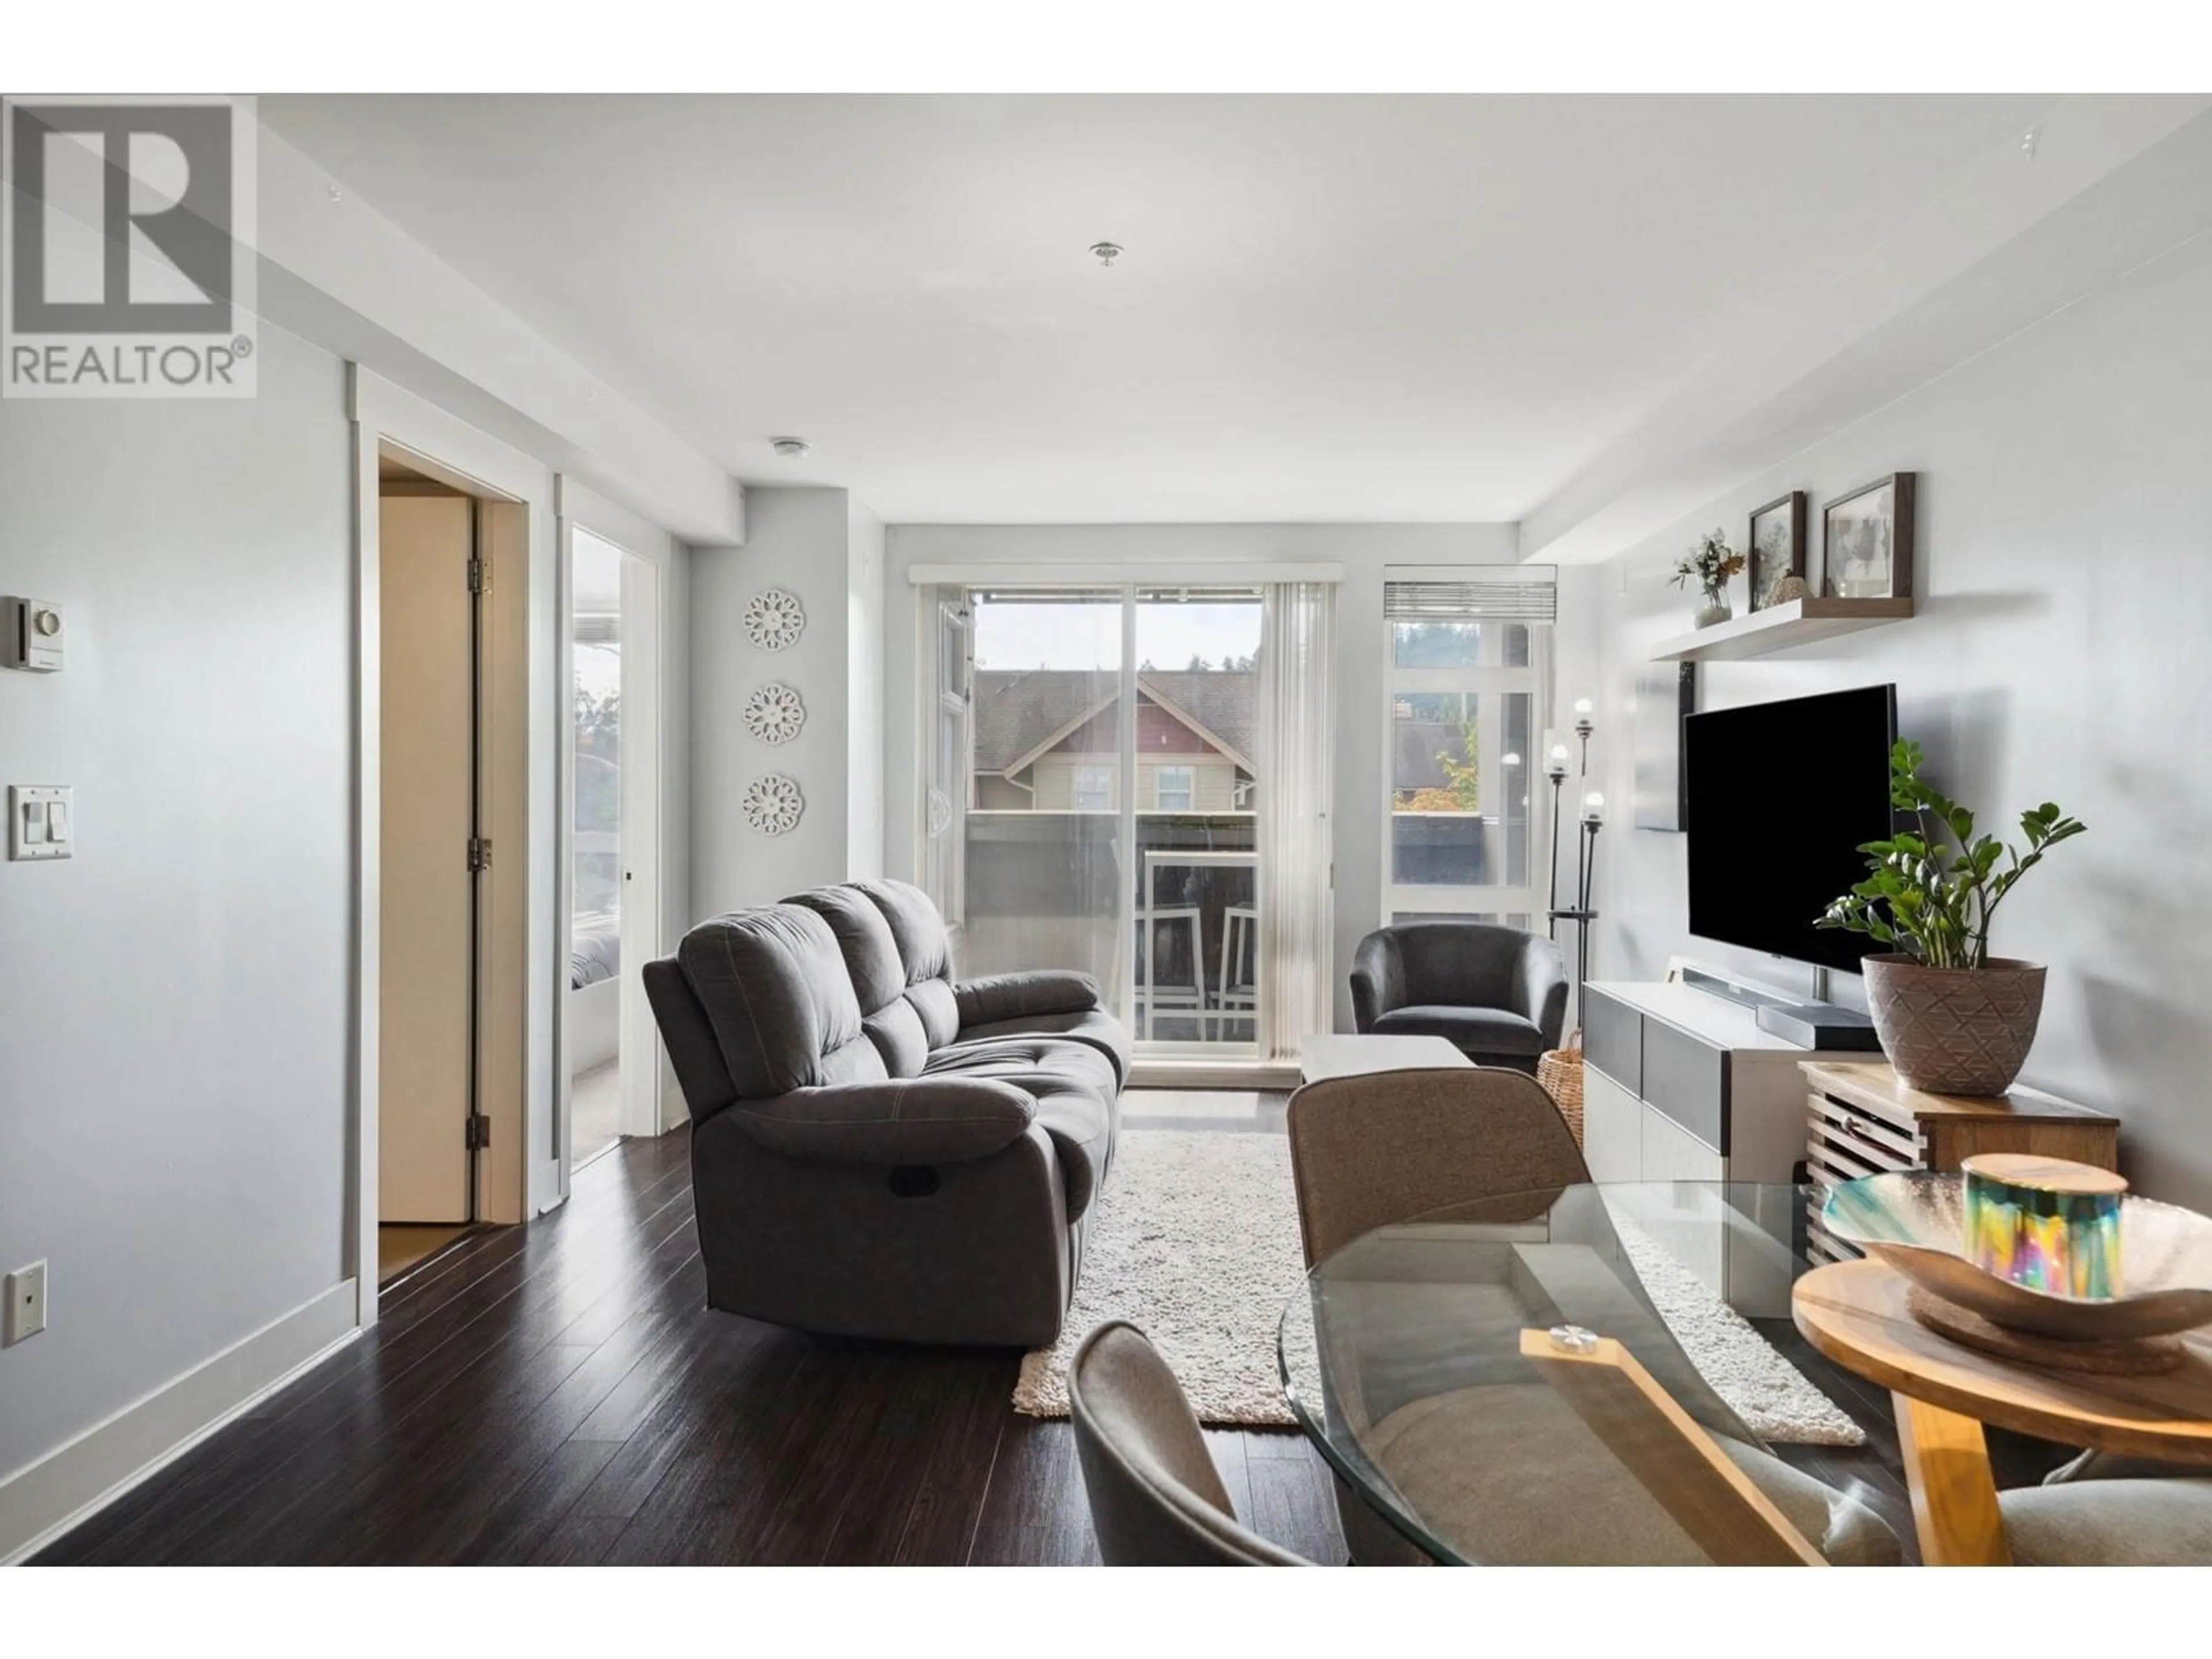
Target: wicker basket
[{"x": 1560, "y": 1072}]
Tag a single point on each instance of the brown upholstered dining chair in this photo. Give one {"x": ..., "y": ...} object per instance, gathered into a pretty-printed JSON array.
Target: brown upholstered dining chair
[
  {"x": 1156, "y": 1498},
  {"x": 2104, "y": 1510},
  {"x": 1389, "y": 1145}
]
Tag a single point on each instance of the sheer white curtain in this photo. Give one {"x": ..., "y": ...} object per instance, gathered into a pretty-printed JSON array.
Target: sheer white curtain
[{"x": 1296, "y": 758}]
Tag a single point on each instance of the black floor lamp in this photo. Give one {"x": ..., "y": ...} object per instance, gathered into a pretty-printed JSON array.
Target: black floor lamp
[{"x": 1593, "y": 817}]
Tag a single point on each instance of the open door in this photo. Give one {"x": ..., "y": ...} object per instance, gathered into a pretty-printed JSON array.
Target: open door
[
  {"x": 614, "y": 889},
  {"x": 429, "y": 905}
]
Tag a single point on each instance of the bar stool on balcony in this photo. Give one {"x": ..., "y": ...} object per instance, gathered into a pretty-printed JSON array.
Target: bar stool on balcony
[
  {"x": 1238, "y": 994},
  {"x": 1174, "y": 997}
]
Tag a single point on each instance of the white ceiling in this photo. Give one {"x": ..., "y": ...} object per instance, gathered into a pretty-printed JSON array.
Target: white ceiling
[{"x": 1330, "y": 308}]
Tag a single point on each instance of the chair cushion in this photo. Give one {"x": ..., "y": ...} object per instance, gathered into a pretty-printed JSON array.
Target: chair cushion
[
  {"x": 932, "y": 1003},
  {"x": 1012, "y": 996},
  {"x": 924, "y": 946},
  {"x": 1509, "y": 1469},
  {"x": 1458, "y": 962},
  {"x": 864, "y": 938},
  {"x": 2111, "y": 1523},
  {"x": 1028, "y": 1052},
  {"x": 908, "y": 1120},
  {"x": 898, "y": 1032},
  {"x": 773, "y": 985},
  {"x": 1473, "y": 1031},
  {"x": 1094, "y": 1027},
  {"x": 1074, "y": 1087}
]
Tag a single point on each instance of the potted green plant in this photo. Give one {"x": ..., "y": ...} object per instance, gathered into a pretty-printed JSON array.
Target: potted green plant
[
  {"x": 1710, "y": 564},
  {"x": 1953, "y": 1018}
]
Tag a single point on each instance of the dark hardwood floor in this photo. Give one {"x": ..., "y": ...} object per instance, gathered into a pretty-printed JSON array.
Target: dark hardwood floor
[{"x": 560, "y": 1393}]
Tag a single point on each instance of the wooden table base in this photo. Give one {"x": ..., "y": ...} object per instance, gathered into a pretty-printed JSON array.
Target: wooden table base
[
  {"x": 1859, "y": 1314},
  {"x": 1954, "y": 1496}
]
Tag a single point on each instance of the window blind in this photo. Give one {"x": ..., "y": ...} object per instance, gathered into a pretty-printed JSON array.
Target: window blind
[{"x": 1517, "y": 593}]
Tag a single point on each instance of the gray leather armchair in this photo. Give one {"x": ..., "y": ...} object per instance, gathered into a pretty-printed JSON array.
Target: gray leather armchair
[
  {"x": 1497, "y": 995},
  {"x": 877, "y": 1150}
]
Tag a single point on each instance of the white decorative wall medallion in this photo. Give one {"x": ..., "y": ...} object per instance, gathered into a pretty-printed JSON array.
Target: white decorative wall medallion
[
  {"x": 773, "y": 620},
  {"x": 773, "y": 804},
  {"x": 774, "y": 713}
]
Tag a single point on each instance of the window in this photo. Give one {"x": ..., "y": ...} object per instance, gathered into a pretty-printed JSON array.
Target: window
[
  {"x": 1090, "y": 796},
  {"x": 1470, "y": 690}
]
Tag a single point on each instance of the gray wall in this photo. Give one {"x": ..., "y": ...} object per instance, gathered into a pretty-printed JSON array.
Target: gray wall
[
  {"x": 174, "y": 1053},
  {"x": 817, "y": 544},
  {"x": 2065, "y": 556},
  {"x": 1363, "y": 548}
]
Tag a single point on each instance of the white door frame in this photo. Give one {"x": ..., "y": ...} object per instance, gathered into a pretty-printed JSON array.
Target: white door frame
[
  {"x": 645, "y": 831},
  {"x": 643, "y": 695},
  {"x": 447, "y": 449}
]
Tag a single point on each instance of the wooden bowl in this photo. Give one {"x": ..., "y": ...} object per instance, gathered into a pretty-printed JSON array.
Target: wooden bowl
[{"x": 1916, "y": 1221}]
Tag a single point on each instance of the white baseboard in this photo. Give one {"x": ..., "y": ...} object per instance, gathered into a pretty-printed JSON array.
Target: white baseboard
[{"x": 41, "y": 1502}]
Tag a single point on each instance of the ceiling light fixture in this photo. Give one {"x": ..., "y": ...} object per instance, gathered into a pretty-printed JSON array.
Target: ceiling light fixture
[
  {"x": 790, "y": 448},
  {"x": 1107, "y": 252}
]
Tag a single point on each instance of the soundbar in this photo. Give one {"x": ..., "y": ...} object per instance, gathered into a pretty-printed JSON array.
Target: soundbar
[{"x": 1819, "y": 1026}]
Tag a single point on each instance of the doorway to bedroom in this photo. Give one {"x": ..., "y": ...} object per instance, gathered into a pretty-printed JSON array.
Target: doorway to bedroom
[{"x": 614, "y": 755}]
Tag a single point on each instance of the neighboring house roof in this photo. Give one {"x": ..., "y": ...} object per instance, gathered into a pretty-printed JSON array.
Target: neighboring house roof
[{"x": 1023, "y": 714}]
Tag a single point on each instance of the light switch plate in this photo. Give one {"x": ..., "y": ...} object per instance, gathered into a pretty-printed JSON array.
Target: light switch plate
[
  {"x": 26, "y": 1291},
  {"x": 31, "y": 631},
  {"x": 41, "y": 821}
]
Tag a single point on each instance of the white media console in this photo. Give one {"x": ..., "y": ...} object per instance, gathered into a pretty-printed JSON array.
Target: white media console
[{"x": 1680, "y": 1084}]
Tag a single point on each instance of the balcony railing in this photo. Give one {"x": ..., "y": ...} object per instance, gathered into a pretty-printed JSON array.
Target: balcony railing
[{"x": 1048, "y": 889}]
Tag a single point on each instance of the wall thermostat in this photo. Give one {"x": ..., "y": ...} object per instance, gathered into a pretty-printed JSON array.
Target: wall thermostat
[{"x": 34, "y": 630}]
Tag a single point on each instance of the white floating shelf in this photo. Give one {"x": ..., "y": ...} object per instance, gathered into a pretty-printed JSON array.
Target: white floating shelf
[{"x": 1779, "y": 627}]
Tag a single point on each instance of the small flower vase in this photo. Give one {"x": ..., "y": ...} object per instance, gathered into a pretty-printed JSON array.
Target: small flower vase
[{"x": 1713, "y": 607}]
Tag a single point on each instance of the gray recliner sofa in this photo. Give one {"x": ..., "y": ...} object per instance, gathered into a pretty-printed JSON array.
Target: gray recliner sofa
[
  {"x": 878, "y": 1149},
  {"x": 1498, "y": 995}
]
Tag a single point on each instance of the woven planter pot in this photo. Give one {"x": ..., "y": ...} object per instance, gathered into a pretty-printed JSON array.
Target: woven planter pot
[{"x": 1954, "y": 1031}]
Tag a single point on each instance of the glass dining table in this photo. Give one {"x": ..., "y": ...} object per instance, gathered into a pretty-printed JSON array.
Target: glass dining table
[{"x": 1422, "y": 1360}]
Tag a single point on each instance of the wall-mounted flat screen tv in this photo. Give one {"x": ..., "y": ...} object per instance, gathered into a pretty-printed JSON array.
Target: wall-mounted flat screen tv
[{"x": 1780, "y": 797}]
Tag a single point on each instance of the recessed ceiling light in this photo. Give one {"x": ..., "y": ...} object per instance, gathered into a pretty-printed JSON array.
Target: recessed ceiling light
[
  {"x": 1107, "y": 252},
  {"x": 790, "y": 448}
]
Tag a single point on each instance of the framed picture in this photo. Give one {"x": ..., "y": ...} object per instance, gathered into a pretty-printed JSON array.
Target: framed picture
[
  {"x": 1778, "y": 549},
  {"x": 1666, "y": 694},
  {"x": 1865, "y": 541}
]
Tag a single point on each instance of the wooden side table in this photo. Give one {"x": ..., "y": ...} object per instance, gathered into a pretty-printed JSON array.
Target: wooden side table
[
  {"x": 1862, "y": 1119},
  {"x": 1854, "y": 1313}
]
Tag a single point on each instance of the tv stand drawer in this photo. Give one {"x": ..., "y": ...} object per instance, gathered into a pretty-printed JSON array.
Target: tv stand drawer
[{"x": 1687, "y": 1079}]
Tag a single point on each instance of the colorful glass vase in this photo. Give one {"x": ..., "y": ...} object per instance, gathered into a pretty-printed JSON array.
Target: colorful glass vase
[{"x": 2044, "y": 1223}]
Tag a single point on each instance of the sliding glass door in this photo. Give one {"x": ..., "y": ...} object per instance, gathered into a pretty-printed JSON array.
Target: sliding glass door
[
  {"x": 1092, "y": 793},
  {"x": 1031, "y": 817},
  {"x": 1198, "y": 858}
]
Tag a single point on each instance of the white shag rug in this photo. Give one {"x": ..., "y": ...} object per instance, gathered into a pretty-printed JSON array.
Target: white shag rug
[
  {"x": 1772, "y": 1396},
  {"x": 1195, "y": 1242}
]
